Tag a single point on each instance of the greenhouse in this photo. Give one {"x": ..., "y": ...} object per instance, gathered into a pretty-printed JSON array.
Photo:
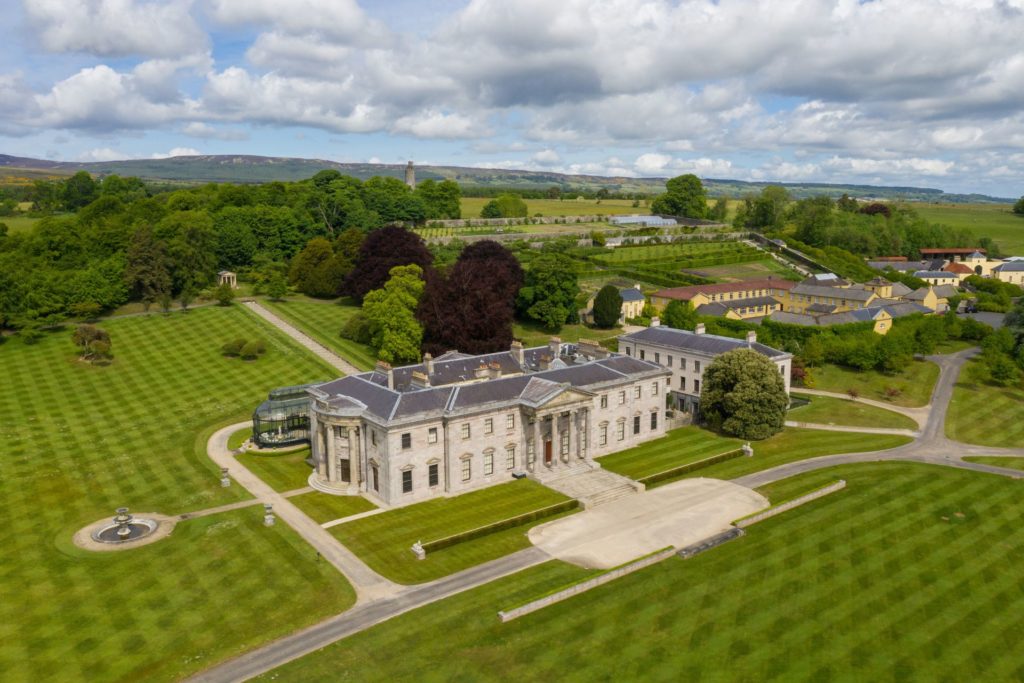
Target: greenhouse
[{"x": 283, "y": 419}]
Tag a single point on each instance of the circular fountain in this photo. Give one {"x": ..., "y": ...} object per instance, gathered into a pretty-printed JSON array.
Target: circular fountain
[{"x": 125, "y": 528}]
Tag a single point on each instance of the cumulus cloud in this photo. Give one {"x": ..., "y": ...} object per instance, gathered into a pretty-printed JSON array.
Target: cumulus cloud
[
  {"x": 436, "y": 124},
  {"x": 199, "y": 129},
  {"x": 116, "y": 28},
  {"x": 176, "y": 152}
]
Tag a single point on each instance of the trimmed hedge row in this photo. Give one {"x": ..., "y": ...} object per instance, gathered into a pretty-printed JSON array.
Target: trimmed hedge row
[
  {"x": 690, "y": 467},
  {"x": 511, "y": 522},
  {"x": 660, "y": 279}
]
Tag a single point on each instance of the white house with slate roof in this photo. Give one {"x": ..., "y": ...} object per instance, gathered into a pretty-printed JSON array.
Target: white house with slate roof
[
  {"x": 687, "y": 354},
  {"x": 458, "y": 422}
]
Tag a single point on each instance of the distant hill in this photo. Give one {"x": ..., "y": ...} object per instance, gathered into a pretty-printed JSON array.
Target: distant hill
[{"x": 246, "y": 168}]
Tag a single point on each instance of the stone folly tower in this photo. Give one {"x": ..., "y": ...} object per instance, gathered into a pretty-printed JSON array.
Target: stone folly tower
[{"x": 410, "y": 175}]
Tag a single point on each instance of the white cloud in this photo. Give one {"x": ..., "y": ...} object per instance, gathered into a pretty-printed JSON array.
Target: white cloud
[
  {"x": 176, "y": 152},
  {"x": 102, "y": 154},
  {"x": 546, "y": 157},
  {"x": 342, "y": 20},
  {"x": 436, "y": 124},
  {"x": 116, "y": 28},
  {"x": 198, "y": 129}
]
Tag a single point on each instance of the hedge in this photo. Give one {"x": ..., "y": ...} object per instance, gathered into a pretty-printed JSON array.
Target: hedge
[
  {"x": 690, "y": 467},
  {"x": 511, "y": 522}
]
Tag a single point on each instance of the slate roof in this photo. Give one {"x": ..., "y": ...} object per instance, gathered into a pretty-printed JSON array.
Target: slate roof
[
  {"x": 821, "y": 308},
  {"x": 900, "y": 289},
  {"x": 687, "y": 293},
  {"x": 918, "y": 294},
  {"x": 631, "y": 294},
  {"x": 923, "y": 274},
  {"x": 945, "y": 291},
  {"x": 710, "y": 344},
  {"x": 713, "y": 309},
  {"x": 1011, "y": 267},
  {"x": 752, "y": 301},
  {"x": 850, "y": 294}
]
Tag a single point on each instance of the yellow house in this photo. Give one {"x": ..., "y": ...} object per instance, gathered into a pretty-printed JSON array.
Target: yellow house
[
  {"x": 633, "y": 301},
  {"x": 938, "y": 277},
  {"x": 1010, "y": 271},
  {"x": 735, "y": 300},
  {"x": 819, "y": 299}
]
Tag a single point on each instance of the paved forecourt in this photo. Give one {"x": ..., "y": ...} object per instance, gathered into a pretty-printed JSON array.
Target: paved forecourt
[{"x": 673, "y": 515}]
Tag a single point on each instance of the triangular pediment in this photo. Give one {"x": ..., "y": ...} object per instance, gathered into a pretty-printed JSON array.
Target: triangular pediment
[{"x": 566, "y": 397}]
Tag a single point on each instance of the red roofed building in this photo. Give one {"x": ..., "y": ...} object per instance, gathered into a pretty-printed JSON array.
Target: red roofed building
[
  {"x": 737, "y": 300},
  {"x": 959, "y": 269}
]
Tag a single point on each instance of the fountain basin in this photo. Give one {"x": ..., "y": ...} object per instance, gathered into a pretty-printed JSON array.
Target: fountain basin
[{"x": 136, "y": 529}]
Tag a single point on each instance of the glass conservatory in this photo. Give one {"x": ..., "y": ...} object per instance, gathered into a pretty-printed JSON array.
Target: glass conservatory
[{"x": 283, "y": 419}]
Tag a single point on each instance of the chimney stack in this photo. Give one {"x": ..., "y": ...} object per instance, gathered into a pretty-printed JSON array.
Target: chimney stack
[
  {"x": 517, "y": 353},
  {"x": 545, "y": 362},
  {"x": 384, "y": 368},
  {"x": 751, "y": 337},
  {"x": 428, "y": 364},
  {"x": 420, "y": 380},
  {"x": 555, "y": 346},
  {"x": 699, "y": 329},
  {"x": 655, "y": 321},
  {"x": 481, "y": 371},
  {"x": 494, "y": 370}
]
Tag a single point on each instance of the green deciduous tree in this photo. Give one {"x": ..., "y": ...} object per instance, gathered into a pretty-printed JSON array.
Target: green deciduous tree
[
  {"x": 440, "y": 199},
  {"x": 607, "y": 306},
  {"x": 684, "y": 196},
  {"x": 506, "y": 205},
  {"x": 93, "y": 342},
  {"x": 147, "y": 272},
  {"x": 744, "y": 395},
  {"x": 316, "y": 271},
  {"x": 719, "y": 210},
  {"x": 680, "y": 315},
  {"x": 390, "y": 315},
  {"x": 549, "y": 292},
  {"x": 224, "y": 294},
  {"x": 1018, "y": 207}
]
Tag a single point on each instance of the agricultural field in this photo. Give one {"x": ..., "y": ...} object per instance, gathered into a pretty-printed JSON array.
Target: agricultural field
[
  {"x": 383, "y": 541},
  {"x": 687, "y": 444},
  {"x": 323, "y": 320},
  {"x": 750, "y": 270},
  {"x": 471, "y": 207},
  {"x": 16, "y": 224},
  {"x": 910, "y": 388},
  {"x": 81, "y": 440},
  {"x": 984, "y": 220},
  {"x": 818, "y": 593},
  {"x": 986, "y": 415}
]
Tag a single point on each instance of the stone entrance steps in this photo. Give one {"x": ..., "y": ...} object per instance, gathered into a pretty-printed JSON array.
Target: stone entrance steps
[{"x": 588, "y": 483}]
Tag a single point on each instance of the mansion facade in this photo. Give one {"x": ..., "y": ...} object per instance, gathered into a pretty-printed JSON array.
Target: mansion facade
[{"x": 459, "y": 422}]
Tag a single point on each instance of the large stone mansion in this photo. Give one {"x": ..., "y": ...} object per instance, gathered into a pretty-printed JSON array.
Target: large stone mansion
[{"x": 458, "y": 422}]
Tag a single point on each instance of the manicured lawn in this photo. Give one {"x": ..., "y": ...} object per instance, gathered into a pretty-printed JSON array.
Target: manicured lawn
[
  {"x": 534, "y": 335},
  {"x": 914, "y": 383},
  {"x": 1012, "y": 463},
  {"x": 323, "y": 320},
  {"x": 324, "y": 507},
  {"x": 687, "y": 444},
  {"x": 383, "y": 541},
  {"x": 839, "y": 411},
  {"x": 752, "y": 270},
  {"x": 984, "y": 220},
  {"x": 281, "y": 471},
  {"x": 986, "y": 415},
  {"x": 238, "y": 438},
  {"x": 909, "y": 574},
  {"x": 80, "y": 441}
]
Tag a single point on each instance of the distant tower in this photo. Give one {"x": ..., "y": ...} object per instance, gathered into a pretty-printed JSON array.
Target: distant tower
[{"x": 410, "y": 175}]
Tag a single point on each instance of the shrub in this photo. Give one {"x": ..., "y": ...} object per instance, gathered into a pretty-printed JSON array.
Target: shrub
[
  {"x": 250, "y": 351},
  {"x": 233, "y": 347},
  {"x": 260, "y": 345},
  {"x": 357, "y": 329}
]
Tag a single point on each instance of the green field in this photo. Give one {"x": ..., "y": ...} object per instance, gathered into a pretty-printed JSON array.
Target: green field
[
  {"x": 986, "y": 415},
  {"x": 323, "y": 507},
  {"x": 471, "y": 207},
  {"x": 1012, "y": 463},
  {"x": 83, "y": 440},
  {"x": 323, "y": 320},
  {"x": 687, "y": 444},
  {"x": 914, "y": 384},
  {"x": 280, "y": 471},
  {"x": 909, "y": 574},
  {"x": 984, "y": 220},
  {"x": 383, "y": 541},
  {"x": 16, "y": 224},
  {"x": 751, "y": 270},
  {"x": 828, "y": 410}
]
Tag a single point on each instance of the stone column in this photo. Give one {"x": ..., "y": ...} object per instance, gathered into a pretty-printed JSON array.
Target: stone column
[
  {"x": 572, "y": 437},
  {"x": 332, "y": 458},
  {"x": 356, "y": 455},
  {"x": 320, "y": 451},
  {"x": 536, "y": 443},
  {"x": 587, "y": 436},
  {"x": 556, "y": 440}
]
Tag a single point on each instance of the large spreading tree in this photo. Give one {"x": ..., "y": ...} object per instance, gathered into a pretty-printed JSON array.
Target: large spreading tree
[
  {"x": 549, "y": 291},
  {"x": 1018, "y": 208},
  {"x": 607, "y": 306},
  {"x": 684, "y": 196},
  {"x": 472, "y": 308},
  {"x": 744, "y": 395},
  {"x": 390, "y": 315},
  {"x": 381, "y": 251}
]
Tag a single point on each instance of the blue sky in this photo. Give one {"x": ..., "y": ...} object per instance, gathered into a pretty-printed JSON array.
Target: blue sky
[{"x": 927, "y": 93}]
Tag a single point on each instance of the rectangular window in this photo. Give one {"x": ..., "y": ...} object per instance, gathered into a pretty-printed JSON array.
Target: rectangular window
[
  {"x": 657, "y": 357},
  {"x": 636, "y": 424},
  {"x": 510, "y": 421},
  {"x": 531, "y": 455},
  {"x": 376, "y": 477},
  {"x": 406, "y": 440},
  {"x": 465, "y": 430},
  {"x": 604, "y": 401},
  {"x": 432, "y": 435},
  {"x": 682, "y": 363},
  {"x": 622, "y": 398},
  {"x": 432, "y": 474},
  {"x": 467, "y": 469},
  {"x": 654, "y": 421},
  {"x": 563, "y": 446},
  {"x": 407, "y": 481},
  {"x": 654, "y": 388},
  {"x": 696, "y": 366},
  {"x": 373, "y": 436},
  {"x": 628, "y": 352},
  {"x": 510, "y": 457},
  {"x": 642, "y": 354},
  {"x": 602, "y": 435},
  {"x": 682, "y": 383},
  {"x": 636, "y": 391},
  {"x": 489, "y": 425},
  {"x": 620, "y": 430},
  {"x": 670, "y": 361},
  {"x": 488, "y": 464},
  {"x": 696, "y": 386}
]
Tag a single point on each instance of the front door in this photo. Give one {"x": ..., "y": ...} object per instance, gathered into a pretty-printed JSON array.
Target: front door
[
  {"x": 346, "y": 471},
  {"x": 547, "y": 453}
]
